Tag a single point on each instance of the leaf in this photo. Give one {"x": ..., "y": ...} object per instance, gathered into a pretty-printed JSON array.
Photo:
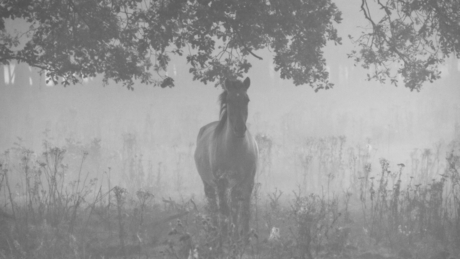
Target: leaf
[{"x": 167, "y": 82}]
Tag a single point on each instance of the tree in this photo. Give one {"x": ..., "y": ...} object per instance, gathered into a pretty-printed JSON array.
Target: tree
[
  {"x": 128, "y": 40},
  {"x": 411, "y": 38}
]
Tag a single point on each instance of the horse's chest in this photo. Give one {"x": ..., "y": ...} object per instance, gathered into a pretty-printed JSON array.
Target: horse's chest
[
  {"x": 233, "y": 160},
  {"x": 232, "y": 166}
]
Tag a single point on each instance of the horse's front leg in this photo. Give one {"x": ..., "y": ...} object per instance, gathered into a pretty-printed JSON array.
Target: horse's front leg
[
  {"x": 245, "y": 208},
  {"x": 235, "y": 208},
  {"x": 210, "y": 192},
  {"x": 223, "y": 206}
]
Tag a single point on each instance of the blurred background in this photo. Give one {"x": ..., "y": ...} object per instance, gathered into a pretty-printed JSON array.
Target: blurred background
[{"x": 310, "y": 142}]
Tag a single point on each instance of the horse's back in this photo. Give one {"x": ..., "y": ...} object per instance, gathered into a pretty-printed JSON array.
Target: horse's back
[{"x": 206, "y": 129}]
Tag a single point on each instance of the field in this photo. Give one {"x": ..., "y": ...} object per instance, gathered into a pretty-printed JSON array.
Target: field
[{"x": 46, "y": 213}]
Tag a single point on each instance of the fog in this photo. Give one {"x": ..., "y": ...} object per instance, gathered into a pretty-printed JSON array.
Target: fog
[{"x": 145, "y": 139}]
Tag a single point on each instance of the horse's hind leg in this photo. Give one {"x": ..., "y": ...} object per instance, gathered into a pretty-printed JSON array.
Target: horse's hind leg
[{"x": 210, "y": 193}]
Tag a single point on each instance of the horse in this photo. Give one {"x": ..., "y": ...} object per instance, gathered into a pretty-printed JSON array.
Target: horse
[{"x": 226, "y": 158}]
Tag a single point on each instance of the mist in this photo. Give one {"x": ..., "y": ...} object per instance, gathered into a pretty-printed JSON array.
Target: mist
[{"x": 145, "y": 139}]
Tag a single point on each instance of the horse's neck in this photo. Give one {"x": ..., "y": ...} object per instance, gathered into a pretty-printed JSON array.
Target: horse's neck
[
  {"x": 228, "y": 140},
  {"x": 230, "y": 152}
]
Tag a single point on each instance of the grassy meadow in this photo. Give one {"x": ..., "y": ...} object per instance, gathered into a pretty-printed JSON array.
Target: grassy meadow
[{"x": 51, "y": 208}]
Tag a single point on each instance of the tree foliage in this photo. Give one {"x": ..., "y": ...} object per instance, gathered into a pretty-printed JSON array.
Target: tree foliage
[
  {"x": 410, "y": 38},
  {"x": 127, "y": 40}
]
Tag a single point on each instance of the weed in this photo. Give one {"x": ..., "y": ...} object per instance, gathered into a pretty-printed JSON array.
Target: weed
[{"x": 51, "y": 209}]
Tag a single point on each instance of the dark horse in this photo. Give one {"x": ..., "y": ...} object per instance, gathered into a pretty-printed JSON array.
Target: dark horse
[{"x": 226, "y": 158}]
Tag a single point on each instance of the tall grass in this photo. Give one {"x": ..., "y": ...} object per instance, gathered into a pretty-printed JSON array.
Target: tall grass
[
  {"x": 52, "y": 210},
  {"x": 401, "y": 216}
]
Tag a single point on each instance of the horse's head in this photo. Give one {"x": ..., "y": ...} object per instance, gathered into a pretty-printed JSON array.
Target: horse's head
[{"x": 237, "y": 105}]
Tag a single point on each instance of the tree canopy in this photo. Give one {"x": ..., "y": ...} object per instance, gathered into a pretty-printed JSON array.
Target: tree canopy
[
  {"x": 128, "y": 40},
  {"x": 414, "y": 35}
]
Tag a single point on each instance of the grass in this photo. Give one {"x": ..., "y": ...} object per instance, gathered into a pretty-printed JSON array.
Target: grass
[{"x": 60, "y": 212}]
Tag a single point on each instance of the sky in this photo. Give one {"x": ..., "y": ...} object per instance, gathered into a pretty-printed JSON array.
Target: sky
[{"x": 156, "y": 128}]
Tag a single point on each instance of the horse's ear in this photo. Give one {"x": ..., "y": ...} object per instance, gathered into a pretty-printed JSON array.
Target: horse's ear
[{"x": 246, "y": 83}]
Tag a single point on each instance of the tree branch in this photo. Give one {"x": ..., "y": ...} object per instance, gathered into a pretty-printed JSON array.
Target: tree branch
[
  {"x": 29, "y": 62},
  {"x": 393, "y": 48},
  {"x": 235, "y": 30}
]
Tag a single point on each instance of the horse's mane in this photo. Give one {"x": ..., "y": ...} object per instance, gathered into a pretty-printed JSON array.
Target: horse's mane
[
  {"x": 223, "y": 104},
  {"x": 223, "y": 111}
]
